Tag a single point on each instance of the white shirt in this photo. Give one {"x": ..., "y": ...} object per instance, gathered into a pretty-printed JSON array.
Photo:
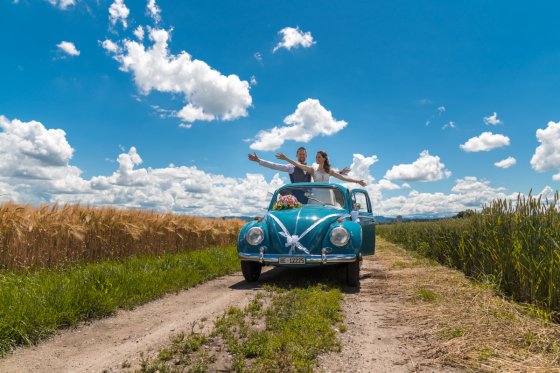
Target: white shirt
[{"x": 289, "y": 168}]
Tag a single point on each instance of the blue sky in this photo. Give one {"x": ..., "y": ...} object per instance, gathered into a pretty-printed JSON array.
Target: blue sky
[{"x": 393, "y": 88}]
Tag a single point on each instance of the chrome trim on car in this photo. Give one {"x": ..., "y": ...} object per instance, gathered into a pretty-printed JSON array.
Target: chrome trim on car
[{"x": 324, "y": 258}]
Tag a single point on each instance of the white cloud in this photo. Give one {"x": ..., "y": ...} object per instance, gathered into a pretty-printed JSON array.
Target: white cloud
[
  {"x": 68, "y": 48},
  {"x": 294, "y": 38},
  {"x": 118, "y": 11},
  {"x": 62, "y": 4},
  {"x": 253, "y": 80},
  {"x": 485, "y": 142},
  {"x": 359, "y": 169},
  {"x": 547, "y": 154},
  {"x": 154, "y": 11},
  {"x": 209, "y": 94},
  {"x": 467, "y": 193},
  {"x": 506, "y": 163},
  {"x": 35, "y": 168},
  {"x": 441, "y": 109},
  {"x": 110, "y": 46},
  {"x": 492, "y": 120},
  {"x": 450, "y": 124},
  {"x": 35, "y": 160},
  {"x": 388, "y": 185},
  {"x": 258, "y": 56},
  {"x": 556, "y": 177},
  {"x": 426, "y": 168},
  {"x": 139, "y": 33},
  {"x": 308, "y": 121}
]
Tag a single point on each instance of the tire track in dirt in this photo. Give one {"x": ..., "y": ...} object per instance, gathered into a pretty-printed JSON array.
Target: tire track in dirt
[
  {"x": 377, "y": 339},
  {"x": 105, "y": 344}
]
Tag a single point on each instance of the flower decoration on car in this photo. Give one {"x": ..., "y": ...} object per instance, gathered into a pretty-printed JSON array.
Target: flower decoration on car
[{"x": 287, "y": 202}]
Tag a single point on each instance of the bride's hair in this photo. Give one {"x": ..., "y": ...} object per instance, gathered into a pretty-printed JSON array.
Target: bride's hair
[{"x": 326, "y": 165}]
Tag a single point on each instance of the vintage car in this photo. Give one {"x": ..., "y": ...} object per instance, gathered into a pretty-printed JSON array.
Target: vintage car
[{"x": 310, "y": 224}]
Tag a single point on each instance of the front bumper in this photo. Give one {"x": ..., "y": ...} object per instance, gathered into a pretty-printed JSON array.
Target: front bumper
[{"x": 309, "y": 259}]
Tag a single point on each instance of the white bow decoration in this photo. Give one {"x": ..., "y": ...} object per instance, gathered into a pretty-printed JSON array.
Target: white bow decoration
[{"x": 292, "y": 241}]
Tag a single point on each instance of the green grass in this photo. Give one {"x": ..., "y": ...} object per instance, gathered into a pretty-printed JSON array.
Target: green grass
[
  {"x": 35, "y": 304},
  {"x": 282, "y": 331},
  {"x": 427, "y": 295}
]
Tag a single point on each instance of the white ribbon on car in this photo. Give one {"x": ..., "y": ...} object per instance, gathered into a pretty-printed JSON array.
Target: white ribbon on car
[{"x": 292, "y": 240}]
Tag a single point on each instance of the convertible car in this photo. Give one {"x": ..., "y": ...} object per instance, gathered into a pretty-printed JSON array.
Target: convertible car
[{"x": 310, "y": 224}]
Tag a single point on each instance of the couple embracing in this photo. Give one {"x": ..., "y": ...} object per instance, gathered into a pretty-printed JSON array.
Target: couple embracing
[{"x": 299, "y": 172}]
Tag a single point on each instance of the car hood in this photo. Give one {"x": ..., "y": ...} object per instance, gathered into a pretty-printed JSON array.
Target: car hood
[{"x": 297, "y": 222}]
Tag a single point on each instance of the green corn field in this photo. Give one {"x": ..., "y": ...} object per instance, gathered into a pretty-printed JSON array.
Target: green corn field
[{"x": 515, "y": 244}]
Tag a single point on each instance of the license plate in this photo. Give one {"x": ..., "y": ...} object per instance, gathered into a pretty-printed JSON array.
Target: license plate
[{"x": 292, "y": 260}]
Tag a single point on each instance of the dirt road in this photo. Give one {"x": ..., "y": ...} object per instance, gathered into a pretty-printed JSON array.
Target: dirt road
[{"x": 374, "y": 342}]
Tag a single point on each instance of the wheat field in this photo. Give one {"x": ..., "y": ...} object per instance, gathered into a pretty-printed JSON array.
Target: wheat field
[{"x": 53, "y": 235}]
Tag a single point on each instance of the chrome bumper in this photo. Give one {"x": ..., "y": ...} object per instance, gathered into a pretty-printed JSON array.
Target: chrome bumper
[{"x": 309, "y": 259}]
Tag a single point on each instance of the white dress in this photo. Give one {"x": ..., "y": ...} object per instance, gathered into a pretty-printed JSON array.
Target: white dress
[
  {"x": 319, "y": 176},
  {"x": 321, "y": 194}
]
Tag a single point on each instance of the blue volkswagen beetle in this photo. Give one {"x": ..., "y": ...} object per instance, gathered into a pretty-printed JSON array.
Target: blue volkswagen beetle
[{"x": 310, "y": 224}]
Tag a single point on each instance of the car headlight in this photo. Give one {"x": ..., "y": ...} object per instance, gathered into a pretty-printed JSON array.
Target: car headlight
[
  {"x": 254, "y": 236},
  {"x": 339, "y": 236}
]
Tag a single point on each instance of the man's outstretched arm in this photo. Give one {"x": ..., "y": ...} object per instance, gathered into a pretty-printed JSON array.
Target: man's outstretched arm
[{"x": 275, "y": 166}]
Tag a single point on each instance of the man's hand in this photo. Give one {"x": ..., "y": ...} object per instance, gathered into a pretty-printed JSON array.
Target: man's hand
[
  {"x": 254, "y": 157},
  {"x": 362, "y": 183},
  {"x": 281, "y": 156},
  {"x": 344, "y": 171}
]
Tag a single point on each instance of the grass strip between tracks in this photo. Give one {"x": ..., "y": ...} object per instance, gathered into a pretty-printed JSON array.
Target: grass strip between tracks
[
  {"x": 33, "y": 305},
  {"x": 279, "y": 331}
]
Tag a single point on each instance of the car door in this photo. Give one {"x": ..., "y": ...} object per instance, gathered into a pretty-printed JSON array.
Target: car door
[{"x": 362, "y": 204}]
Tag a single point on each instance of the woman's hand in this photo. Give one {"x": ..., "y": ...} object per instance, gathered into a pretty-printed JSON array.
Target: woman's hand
[
  {"x": 281, "y": 156},
  {"x": 362, "y": 183}
]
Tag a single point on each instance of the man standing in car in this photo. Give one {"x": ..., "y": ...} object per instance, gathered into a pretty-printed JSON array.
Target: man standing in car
[{"x": 296, "y": 174}]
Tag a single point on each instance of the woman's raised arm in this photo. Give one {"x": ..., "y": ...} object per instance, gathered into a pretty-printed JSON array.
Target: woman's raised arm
[
  {"x": 342, "y": 177},
  {"x": 305, "y": 168}
]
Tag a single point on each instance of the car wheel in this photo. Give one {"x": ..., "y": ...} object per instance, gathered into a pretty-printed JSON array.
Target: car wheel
[
  {"x": 353, "y": 274},
  {"x": 251, "y": 270}
]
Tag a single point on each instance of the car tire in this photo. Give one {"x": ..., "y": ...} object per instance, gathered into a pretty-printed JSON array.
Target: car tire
[
  {"x": 251, "y": 270},
  {"x": 353, "y": 274}
]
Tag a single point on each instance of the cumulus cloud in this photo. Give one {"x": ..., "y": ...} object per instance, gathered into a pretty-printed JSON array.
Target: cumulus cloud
[
  {"x": 139, "y": 33},
  {"x": 34, "y": 160},
  {"x": 506, "y": 163},
  {"x": 68, "y": 48},
  {"x": 388, "y": 185},
  {"x": 467, "y": 193},
  {"x": 426, "y": 168},
  {"x": 547, "y": 154},
  {"x": 294, "y": 38},
  {"x": 492, "y": 120},
  {"x": 62, "y": 4},
  {"x": 110, "y": 46},
  {"x": 441, "y": 109},
  {"x": 118, "y": 12},
  {"x": 485, "y": 142},
  {"x": 209, "y": 95},
  {"x": 154, "y": 11},
  {"x": 35, "y": 168},
  {"x": 309, "y": 120}
]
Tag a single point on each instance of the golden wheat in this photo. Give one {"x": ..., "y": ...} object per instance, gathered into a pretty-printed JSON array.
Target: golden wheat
[{"x": 53, "y": 235}]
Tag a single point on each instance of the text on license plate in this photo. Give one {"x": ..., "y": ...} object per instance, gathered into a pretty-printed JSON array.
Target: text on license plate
[{"x": 292, "y": 260}]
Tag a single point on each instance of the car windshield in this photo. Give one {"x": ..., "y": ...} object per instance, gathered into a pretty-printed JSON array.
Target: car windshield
[{"x": 308, "y": 195}]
